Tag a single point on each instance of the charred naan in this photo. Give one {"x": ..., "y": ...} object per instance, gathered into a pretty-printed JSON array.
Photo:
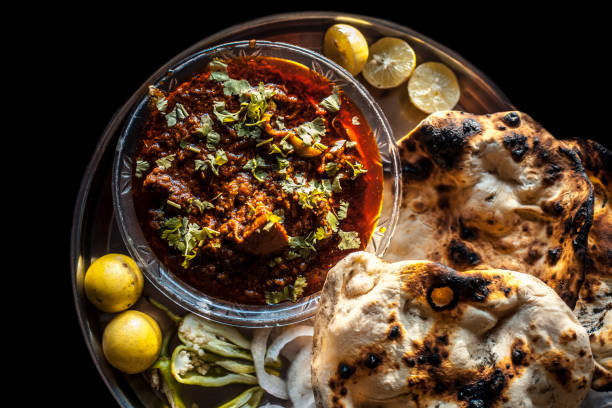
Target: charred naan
[
  {"x": 595, "y": 296},
  {"x": 420, "y": 334},
  {"x": 494, "y": 191}
]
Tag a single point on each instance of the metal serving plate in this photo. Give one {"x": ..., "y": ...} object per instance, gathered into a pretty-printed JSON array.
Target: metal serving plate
[{"x": 95, "y": 233}]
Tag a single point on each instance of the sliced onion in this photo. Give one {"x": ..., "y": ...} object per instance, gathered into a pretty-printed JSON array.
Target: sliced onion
[
  {"x": 270, "y": 383},
  {"x": 268, "y": 405},
  {"x": 286, "y": 337},
  {"x": 299, "y": 383}
]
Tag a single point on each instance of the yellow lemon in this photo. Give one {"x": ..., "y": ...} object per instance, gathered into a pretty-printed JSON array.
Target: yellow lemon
[
  {"x": 346, "y": 46},
  {"x": 113, "y": 283},
  {"x": 433, "y": 87},
  {"x": 131, "y": 341},
  {"x": 390, "y": 62}
]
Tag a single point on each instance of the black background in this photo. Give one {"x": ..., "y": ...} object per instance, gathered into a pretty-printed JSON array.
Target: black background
[{"x": 550, "y": 63}]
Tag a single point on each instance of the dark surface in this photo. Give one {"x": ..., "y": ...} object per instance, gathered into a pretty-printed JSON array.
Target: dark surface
[{"x": 549, "y": 63}]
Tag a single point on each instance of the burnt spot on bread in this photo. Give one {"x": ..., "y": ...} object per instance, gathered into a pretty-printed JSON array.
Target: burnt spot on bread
[
  {"x": 484, "y": 392},
  {"x": 445, "y": 288},
  {"x": 532, "y": 256},
  {"x": 372, "y": 360},
  {"x": 554, "y": 208},
  {"x": 395, "y": 332},
  {"x": 518, "y": 353},
  {"x": 466, "y": 233},
  {"x": 553, "y": 255},
  {"x": 559, "y": 366},
  {"x": 419, "y": 170},
  {"x": 517, "y": 145},
  {"x": 551, "y": 174},
  {"x": 461, "y": 255},
  {"x": 345, "y": 371},
  {"x": 447, "y": 144},
  {"x": 512, "y": 119}
]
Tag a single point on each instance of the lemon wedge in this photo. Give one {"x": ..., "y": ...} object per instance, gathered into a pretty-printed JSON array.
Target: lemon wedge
[
  {"x": 433, "y": 87},
  {"x": 391, "y": 61},
  {"x": 346, "y": 46}
]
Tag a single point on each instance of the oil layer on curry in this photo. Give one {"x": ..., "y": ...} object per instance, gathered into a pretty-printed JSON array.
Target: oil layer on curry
[{"x": 254, "y": 178}]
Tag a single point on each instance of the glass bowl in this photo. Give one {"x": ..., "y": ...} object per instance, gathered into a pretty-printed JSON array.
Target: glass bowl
[{"x": 160, "y": 276}]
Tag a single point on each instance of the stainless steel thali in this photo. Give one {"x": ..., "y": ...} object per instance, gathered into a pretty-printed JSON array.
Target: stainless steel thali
[{"x": 94, "y": 231}]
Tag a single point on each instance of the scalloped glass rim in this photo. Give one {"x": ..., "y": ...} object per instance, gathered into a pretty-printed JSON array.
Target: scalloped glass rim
[{"x": 165, "y": 281}]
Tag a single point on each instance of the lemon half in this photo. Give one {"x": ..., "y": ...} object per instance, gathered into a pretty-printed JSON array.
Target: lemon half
[
  {"x": 391, "y": 61},
  {"x": 433, "y": 87},
  {"x": 346, "y": 46}
]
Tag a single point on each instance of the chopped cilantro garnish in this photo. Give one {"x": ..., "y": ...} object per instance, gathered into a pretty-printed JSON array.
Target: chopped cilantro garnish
[
  {"x": 256, "y": 166},
  {"x": 348, "y": 240},
  {"x": 337, "y": 145},
  {"x": 282, "y": 164},
  {"x": 223, "y": 115},
  {"x": 311, "y": 132},
  {"x": 332, "y": 102},
  {"x": 235, "y": 86},
  {"x": 357, "y": 169},
  {"x": 212, "y": 140},
  {"x": 332, "y": 221},
  {"x": 183, "y": 236},
  {"x": 218, "y": 70},
  {"x": 178, "y": 113},
  {"x": 336, "y": 187},
  {"x": 289, "y": 292},
  {"x": 158, "y": 98},
  {"x": 220, "y": 157},
  {"x": 202, "y": 205},
  {"x": 141, "y": 167},
  {"x": 343, "y": 210},
  {"x": 331, "y": 168},
  {"x": 165, "y": 162},
  {"x": 206, "y": 125}
]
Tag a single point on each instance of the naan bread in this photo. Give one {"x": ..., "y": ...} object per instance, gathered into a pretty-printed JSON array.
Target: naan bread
[
  {"x": 494, "y": 191},
  {"x": 420, "y": 334},
  {"x": 595, "y": 297}
]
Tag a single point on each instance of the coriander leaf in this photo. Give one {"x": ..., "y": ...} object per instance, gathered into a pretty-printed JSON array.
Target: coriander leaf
[
  {"x": 357, "y": 169},
  {"x": 158, "y": 98},
  {"x": 221, "y": 157},
  {"x": 282, "y": 164},
  {"x": 259, "y": 174},
  {"x": 331, "y": 168},
  {"x": 298, "y": 287},
  {"x": 332, "y": 102},
  {"x": 178, "y": 113},
  {"x": 212, "y": 140},
  {"x": 289, "y": 292},
  {"x": 235, "y": 86},
  {"x": 337, "y": 145},
  {"x": 141, "y": 167},
  {"x": 202, "y": 205},
  {"x": 223, "y": 115},
  {"x": 201, "y": 164},
  {"x": 336, "y": 187},
  {"x": 343, "y": 210},
  {"x": 184, "y": 236},
  {"x": 349, "y": 240},
  {"x": 311, "y": 132},
  {"x": 332, "y": 221},
  {"x": 165, "y": 162},
  {"x": 218, "y": 70},
  {"x": 206, "y": 125}
]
